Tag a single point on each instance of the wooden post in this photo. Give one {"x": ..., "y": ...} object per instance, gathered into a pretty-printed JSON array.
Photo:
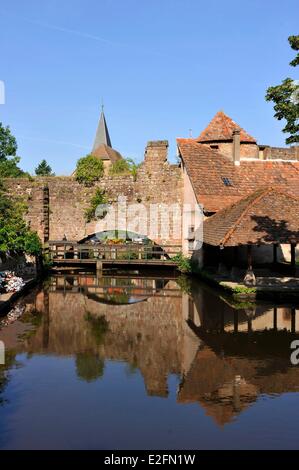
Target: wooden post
[
  {"x": 275, "y": 246},
  {"x": 275, "y": 318},
  {"x": 293, "y": 320},
  {"x": 249, "y": 257},
  {"x": 293, "y": 255},
  {"x": 99, "y": 266}
]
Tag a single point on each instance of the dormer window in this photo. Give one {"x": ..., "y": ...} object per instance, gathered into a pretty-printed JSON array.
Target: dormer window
[{"x": 227, "y": 181}]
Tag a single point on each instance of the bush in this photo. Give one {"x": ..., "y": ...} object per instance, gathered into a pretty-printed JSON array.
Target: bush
[
  {"x": 124, "y": 167},
  {"x": 100, "y": 198},
  {"x": 183, "y": 263},
  {"x": 120, "y": 167},
  {"x": 15, "y": 235},
  {"x": 32, "y": 243},
  {"x": 89, "y": 169}
]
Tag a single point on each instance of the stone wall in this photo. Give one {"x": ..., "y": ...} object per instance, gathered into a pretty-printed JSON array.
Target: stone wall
[
  {"x": 157, "y": 182},
  {"x": 281, "y": 153},
  {"x": 249, "y": 150},
  {"x": 246, "y": 150}
]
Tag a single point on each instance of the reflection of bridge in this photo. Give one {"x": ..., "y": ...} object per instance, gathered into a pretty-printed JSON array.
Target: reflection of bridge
[
  {"x": 225, "y": 358},
  {"x": 120, "y": 290},
  {"x": 67, "y": 253}
]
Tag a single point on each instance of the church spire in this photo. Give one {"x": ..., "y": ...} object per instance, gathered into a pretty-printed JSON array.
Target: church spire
[{"x": 102, "y": 135}]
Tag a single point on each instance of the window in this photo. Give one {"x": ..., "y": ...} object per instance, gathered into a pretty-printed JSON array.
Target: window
[
  {"x": 227, "y": 181},
  {"x": 191, "y": 232},
  {"x": 214, "y": 146}
]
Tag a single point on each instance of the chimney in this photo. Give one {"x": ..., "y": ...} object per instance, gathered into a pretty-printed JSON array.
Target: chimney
[
  {"x": 236, "y": 146},
  {"x": 156, "y": 153}
]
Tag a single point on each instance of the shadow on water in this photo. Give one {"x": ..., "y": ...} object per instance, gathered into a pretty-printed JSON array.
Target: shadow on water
[{"x": 225, "y": 358}]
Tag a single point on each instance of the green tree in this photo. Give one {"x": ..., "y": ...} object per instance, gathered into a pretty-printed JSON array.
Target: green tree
[
  {"x": 8, "y": 143},
  {"x": 44, "y": 169},
  {"x": 9, "y": 168},
  {"x": 15, "y": 235},
  {"x": 8, "y": 159},
  {"x": 286, "y": 99},
  {"x": 89, "y": 170},
  {"x": 294, "y": 43}
]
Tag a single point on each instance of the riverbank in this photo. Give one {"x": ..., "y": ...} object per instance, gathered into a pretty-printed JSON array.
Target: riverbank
[
  {"x": 266, "y": 288},
  {"x": 8, "y": 299}
]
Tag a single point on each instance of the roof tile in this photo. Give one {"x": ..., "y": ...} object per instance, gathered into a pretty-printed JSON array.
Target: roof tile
[{"x": 221, "y": 129}]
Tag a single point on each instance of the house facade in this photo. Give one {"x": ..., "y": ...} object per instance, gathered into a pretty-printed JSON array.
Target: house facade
[{"x": 225, "y": 164}]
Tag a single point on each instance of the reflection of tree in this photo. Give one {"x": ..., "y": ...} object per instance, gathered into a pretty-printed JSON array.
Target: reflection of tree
[
  {"x": 89, "y": 366},
  {"x": 185, "y": 284},
  {"x": 98, "y": 325}
]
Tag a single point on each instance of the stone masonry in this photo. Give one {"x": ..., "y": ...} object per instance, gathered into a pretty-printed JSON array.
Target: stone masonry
[{"x": 62, "y": 213}]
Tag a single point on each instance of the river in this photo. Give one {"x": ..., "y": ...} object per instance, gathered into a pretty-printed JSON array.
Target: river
[{"x": 146, "y": 362}]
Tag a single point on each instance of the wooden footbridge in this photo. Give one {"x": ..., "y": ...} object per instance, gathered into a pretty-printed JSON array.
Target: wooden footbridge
[{"x": 68, "y": 253}]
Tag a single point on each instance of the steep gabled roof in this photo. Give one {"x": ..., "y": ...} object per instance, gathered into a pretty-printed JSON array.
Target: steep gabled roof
[
  {"x": 207, "y": 167},
  {"x": 104, "y": 152},
  {"x": 102, "y": 134},
  {"x": 221, "y": 128},
  {"x": 265, "y": 216}
]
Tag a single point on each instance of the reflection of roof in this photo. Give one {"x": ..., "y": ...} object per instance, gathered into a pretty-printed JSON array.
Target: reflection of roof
[
  {"x": 265, "y": 216},
  {"x": 216, "y": 385},
  {"x": 226, "y": 386},
  {"x": 207, "y": 167},
  {"x": 221, "y": 128},
  {"x": 103, "y": 152}
]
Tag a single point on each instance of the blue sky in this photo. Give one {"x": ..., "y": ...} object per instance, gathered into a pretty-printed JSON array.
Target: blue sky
[{"x": 162, "y": 67}]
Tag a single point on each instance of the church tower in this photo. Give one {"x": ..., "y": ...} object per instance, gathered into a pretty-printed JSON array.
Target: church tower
[{"x": 102, "y": 147}]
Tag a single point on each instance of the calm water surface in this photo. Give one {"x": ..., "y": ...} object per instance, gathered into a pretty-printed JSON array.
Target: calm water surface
[{"x": 144, "y": 362}]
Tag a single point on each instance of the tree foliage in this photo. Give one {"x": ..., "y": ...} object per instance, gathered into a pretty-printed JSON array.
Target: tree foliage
[
  {"x": 8, "y": 143},
  {"x": 15, "y": 235},
  {"x": 8, "y": 159},
  {"x": 99, "y": 199},
  {"x": 123, "y": 167},
  {"x": 9, "y": 168},
  {"x": 44, "y": 169},
  {"x": 286, "y": 99},
  {"x": 294, "y": 43},
  {"x": 89, "y": 170},
  {"x": 120, "y": 167}
]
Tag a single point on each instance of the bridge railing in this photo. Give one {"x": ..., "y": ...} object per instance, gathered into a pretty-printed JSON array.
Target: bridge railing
[{"x": 63, "y": 250}]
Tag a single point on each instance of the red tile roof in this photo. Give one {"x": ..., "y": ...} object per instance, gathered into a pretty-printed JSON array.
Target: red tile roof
[
  {"x": 206, "y": 167},
  {"x": 221, "y": 128},
  {"x": 265, "y": 216}
]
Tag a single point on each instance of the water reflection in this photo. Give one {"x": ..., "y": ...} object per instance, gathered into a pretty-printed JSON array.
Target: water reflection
[{"x": 225, "y": 356}]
